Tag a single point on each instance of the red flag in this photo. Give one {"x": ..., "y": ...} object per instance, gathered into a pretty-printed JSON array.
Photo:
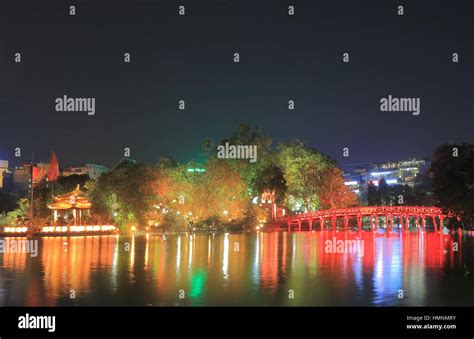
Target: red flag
[
  {"x": 39, "y": 173},
  {"x": 53, "y": 168}
]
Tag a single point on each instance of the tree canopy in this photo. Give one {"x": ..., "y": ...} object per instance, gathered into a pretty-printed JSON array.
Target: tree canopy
[{"x": 452, "y": 173}]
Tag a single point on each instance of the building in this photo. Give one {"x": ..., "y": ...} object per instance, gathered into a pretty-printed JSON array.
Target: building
[
  {"x": 70, "y": 217},
  {"x": 3, "y": 171},
  {"x": 267, "y": 200},
  {"x": 21, "y": 177},
  {"x": 358, "y": 176},
  {"x": 401, "y": 172},
  {"x": 92, "y": 170}
]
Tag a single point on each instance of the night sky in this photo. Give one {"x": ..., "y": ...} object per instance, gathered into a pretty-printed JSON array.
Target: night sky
[{"x": 190, "y": 57}]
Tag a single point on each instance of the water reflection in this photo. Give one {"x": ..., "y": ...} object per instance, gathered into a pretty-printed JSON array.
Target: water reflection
[
  {"x": 242, "y": 269},
  {"x": 225, "y": 260}
]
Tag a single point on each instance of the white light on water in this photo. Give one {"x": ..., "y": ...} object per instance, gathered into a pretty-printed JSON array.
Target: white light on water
[
  {"x": 178, "y": 254},
  {"x": 225, "y": 260}
]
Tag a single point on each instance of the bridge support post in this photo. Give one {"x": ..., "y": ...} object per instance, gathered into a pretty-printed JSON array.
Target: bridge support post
[
  {"x": 423, "y": 226},
  {"x": 372, "y": 221},
  {"x": 376, "y": 222},
  {"x": 310, "y": 228},
  {"x": 417, "y": 222},
  {"x": 407, "y": 222},
  {"x": 346, "y": 223},
  {"x": 433, "y": 217},
  {"x": 289, "y": 226},
  {"x": 391, "y": 222},
  {"x": 321, "y": 224},
  {"x": 441, "y": 219},
  {"x": 359, "y": 223},
  {"x": 299, "y": 225}
]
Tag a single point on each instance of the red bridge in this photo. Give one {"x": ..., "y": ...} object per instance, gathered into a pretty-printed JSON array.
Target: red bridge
[{"x": 356, "y": 215}]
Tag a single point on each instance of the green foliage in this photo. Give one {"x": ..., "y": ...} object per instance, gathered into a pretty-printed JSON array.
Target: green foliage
[
  {"x": 17, "y": 216},
  {"x": 169, "y": 196},
  {"x": 303, "y": 170},
  {"x": 249, "y": 171},
  {"x": 271, "y": 178},
  {"x": 121, "y": 194}
]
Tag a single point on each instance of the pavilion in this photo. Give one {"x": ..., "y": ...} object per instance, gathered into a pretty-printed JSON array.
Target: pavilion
[{"x": 75, "y": 202}]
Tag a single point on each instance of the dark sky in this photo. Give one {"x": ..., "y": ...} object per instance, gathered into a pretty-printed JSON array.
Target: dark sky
[{"x": 191, "y": 57}]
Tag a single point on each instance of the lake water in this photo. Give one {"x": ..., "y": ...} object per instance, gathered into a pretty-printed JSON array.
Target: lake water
[{"x": 274, "y": 269}]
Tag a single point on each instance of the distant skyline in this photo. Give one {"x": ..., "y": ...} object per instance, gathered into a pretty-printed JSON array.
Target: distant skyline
[
  {"x": 18, "y": 161},
  {"x": 191, "y": 58}
]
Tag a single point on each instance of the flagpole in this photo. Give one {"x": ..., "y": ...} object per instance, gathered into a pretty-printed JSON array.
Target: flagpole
[
  {"x": 53, "y": 171},
  {"x": 50, "y": 176},
  {"x": 32, "y": 190}
]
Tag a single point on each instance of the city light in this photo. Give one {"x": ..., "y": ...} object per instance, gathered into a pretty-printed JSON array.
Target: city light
[
  {"x": 15, "y": 229},
  {"x": 200, "y": 170},
  {"x": 62, "y": 229},
  {"x": 388, "y": 181},
  {"x": 380, "y": 173}
]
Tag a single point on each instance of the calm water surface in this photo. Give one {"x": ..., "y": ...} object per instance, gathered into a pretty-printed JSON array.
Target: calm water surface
[{"x": 242, "y": 269}]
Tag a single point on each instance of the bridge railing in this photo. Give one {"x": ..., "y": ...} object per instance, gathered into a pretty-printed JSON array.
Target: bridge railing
[{"x": 404, "y": 213}]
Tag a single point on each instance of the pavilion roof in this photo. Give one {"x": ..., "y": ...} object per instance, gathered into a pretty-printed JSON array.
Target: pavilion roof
[{"x": 75, "y": 199}]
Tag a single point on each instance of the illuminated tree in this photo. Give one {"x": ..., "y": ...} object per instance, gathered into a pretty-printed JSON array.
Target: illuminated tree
[
  {"x": 17, "y": 216},
  {"x": 250, "y": 171},
  {"x": 221, "y": 193},
  {"x": 271, "y": 178},
  {"x": 332, "y": 191},
  {"x": 216, "y": 197},
  {"x": 123, "y": 194},
  {"x": 303, "y": 170}
]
